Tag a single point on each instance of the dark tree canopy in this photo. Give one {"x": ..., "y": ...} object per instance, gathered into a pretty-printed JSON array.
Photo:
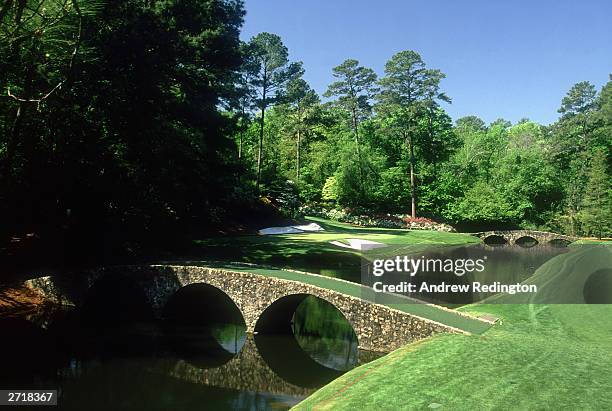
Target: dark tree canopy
[
  {"x": 115, "y": 126},
  {"x": 130, "y": 124}
]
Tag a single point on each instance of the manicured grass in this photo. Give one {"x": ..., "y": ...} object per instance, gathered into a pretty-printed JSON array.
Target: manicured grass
[
  {"x": 311, "y": 252},
  {"x": 540, "y": 356},
  {"x": 604, "y": 241},
  {"x": 394, "y": 236}
]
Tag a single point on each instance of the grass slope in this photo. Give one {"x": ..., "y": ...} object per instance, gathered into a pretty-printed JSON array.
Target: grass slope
[
  {"x": 541, "y": 356},
  {"x": 311, "y": 252}
]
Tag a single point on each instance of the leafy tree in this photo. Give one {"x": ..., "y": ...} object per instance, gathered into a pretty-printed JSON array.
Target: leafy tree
[
  {"x": 120, "y": 132},
  {"x": 302, "y": 103},
  {"x": 39, "y": 47},
  {"x": 431, "y": 96},
  {"x": 574, "y": 139},
  {"x": 484, "y": 204},
  {"x": 330, "y": 189},
  {"x": 242, "y": 99},
  {"x": 408, "y": 89},
  {"x": 270, "y": 72},
  {"x": 471, "y": 123},
  {"x": 596, "y": 213},
  {"x": 574, "y": 129},
  {"x": 354, "y": 89},
  {"x": 579, "y": 99}
]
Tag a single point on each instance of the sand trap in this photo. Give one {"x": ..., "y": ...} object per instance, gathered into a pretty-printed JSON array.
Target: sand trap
[
  {"x": 292, "y": 229},
  {"x": 358, "y": 244}
]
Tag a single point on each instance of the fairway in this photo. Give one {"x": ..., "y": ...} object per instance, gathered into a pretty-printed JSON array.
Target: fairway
[
  {"x": 229, "y": 204},
  {"x": 540, "y": 356},
  {"x": 311, "y": 252}
]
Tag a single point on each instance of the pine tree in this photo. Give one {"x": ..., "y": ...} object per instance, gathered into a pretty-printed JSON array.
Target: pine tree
[{"x": 596, "y": 214}]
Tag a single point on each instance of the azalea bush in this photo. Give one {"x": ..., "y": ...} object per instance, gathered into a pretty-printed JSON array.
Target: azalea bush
[{"x": 365, "y": 218}]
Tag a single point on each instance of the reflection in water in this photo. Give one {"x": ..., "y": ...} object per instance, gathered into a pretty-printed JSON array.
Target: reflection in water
[
  {"x": 149, "y": 365},
  {"x": 323, "y": 332},
  {"x": 526, "y": 242},
  {"x": 507, "y": 264}
]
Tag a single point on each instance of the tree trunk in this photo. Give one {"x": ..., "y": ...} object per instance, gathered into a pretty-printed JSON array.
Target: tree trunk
[
  {"x": 240, "y": 145},
  {"x": 261, "y": 135},
  {"x": 11, "y": 145},
  {"x": 242, "y": 109},
  {"x": 412, "y": 180},
  {"x": 356, "y": 134},
  {"x": 297, "y": 161},
  {"x": 260, "y": 149}
]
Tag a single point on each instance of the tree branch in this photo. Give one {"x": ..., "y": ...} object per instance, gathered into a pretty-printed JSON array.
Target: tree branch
[{"x": 71, "y": 62}]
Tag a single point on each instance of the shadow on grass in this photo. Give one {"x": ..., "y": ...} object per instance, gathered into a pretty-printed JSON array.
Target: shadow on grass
[{"x": 278, "y": 251}]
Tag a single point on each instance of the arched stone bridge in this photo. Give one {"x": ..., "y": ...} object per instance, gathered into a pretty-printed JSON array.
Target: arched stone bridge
[
  {"x": 267, "y": 304},
  {"x": 518, "y": 236}
]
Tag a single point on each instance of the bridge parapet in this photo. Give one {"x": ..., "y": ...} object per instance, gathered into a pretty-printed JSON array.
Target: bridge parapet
[
  {"x": 511, "y": 236},
  {"x": 378, "y": 327}
]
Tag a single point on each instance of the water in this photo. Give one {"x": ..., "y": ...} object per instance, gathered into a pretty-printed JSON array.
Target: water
[
  {"x": 506, "y": 264},
  {"x": 150, "y": 365},
  {"x": 103, "y": 359}
]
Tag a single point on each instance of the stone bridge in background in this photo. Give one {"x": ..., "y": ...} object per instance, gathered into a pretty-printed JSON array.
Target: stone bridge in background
[
  {"x": 267, "y": 304},
  {"x": 523, "y": 237}
]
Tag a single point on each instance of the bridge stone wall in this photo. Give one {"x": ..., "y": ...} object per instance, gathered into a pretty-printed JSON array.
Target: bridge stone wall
[
  {"x": 511, "y": 236},
  {"x": 378, "y": 328}
]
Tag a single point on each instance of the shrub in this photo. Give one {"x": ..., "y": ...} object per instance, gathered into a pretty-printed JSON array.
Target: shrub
[{"x": 362, "y": 217}]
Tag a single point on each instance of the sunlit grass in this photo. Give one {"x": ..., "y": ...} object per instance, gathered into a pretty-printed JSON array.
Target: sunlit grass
[
  {"x": 539, "y": 356},
  {"x": 313, "y": 253}
]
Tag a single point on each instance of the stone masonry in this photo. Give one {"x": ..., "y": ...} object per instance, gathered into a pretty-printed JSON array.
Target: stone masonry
[
  {"x": 511, "y": 236},
  {"x": 377, "y": 327}
]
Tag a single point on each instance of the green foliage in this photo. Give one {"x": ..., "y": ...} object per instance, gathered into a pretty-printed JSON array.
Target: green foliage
[
  {"x": 596, "y": 213},
  {"x": 268, "y": 72},
  {"x": 354, "y": 88},
  {"x": 115, "y": 125},
  {"x": 484, "y": 204},
  {"x": 471, "y": 174},
  {"x": 329, "y": 191},
  {"x": 141, "y": 117},
  {"x": 579, "y": 99}
]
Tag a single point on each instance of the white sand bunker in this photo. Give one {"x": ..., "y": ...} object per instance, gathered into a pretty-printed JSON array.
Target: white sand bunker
[
  {"x": 291, "y": 229},
  {"x": 358, "y": 244}
]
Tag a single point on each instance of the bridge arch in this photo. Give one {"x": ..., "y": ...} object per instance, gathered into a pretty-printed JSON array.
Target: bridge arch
[
  {"x": 278, "y": 317},
  {"x": 495, "y": 239},
  {"x": 559, "y": 242},
  {"x": 526, "y": 241},
  {"x": 201, "y": 303},
  {"x": 204, "y": 325},
  {"x": 285, "y": 317}
]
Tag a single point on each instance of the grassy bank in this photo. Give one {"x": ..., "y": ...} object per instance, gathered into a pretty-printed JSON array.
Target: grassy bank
[
  {"x": 541, "y": 356},
  {"x": 312, "y": 252}
]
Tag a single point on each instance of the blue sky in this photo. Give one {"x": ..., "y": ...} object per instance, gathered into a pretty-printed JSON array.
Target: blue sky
[{"x": 509, "y": 59}]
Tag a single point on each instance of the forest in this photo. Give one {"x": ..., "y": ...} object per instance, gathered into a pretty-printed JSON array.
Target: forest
[{"x": 126, "y": 124}]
